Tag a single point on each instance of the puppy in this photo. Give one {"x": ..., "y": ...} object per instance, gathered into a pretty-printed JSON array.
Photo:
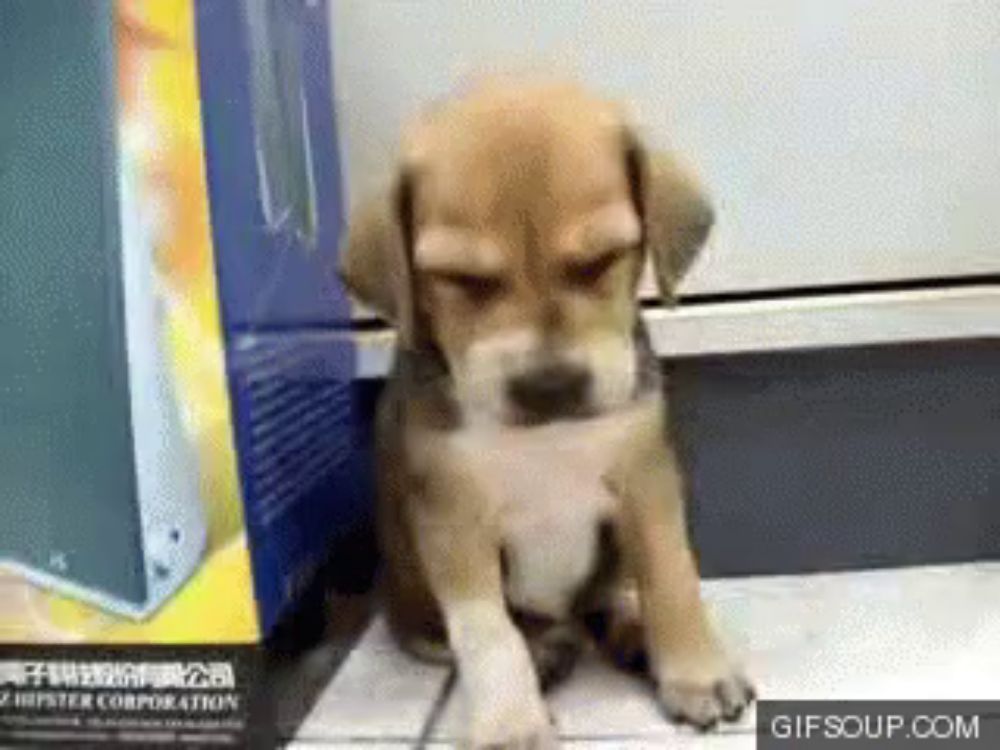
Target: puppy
[{"x": 528, "y": 492}]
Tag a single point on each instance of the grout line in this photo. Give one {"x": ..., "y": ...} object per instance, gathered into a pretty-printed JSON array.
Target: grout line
[{"x": 437, "y": 708}]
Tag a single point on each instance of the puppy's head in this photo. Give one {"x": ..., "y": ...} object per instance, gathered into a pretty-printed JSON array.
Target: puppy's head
[{"x": 511, "y": 243}]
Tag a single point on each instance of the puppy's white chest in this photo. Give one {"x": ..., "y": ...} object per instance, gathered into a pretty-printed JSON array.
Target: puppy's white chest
[{"x": 548, "y": 497}]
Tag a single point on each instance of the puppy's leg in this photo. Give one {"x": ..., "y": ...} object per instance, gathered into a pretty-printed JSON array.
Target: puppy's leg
[
  {"x": 614, "y": 621},
  {"x": 461, "y": 556},
  {"x": 608, "y": 606},
  {"x": 411, "y": 610},
  {"x": 697, "y": 682},
  {"x": 555, "y": 647}
]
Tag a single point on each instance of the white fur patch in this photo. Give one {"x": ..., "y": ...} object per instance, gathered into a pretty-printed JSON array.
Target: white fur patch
[
  {"x": 547, "y": 487},
  {"x": 611, "y": 361},
  {"x": 499, "y": 686},
  {"x": 479, "y": 382}
]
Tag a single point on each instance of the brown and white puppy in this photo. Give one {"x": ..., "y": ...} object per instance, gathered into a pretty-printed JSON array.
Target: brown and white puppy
[{"x": 528, "y": 490}]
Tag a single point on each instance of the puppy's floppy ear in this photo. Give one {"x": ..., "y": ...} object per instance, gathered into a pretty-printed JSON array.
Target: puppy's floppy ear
[
  {"x": 676, "y": 214},
  {"x": 375, "y": 262}
]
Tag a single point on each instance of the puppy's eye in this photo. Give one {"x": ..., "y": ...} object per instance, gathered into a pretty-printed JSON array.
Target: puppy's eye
[
  {"x": 591, "y": 271},
  {"x": 478, "y": 289}
]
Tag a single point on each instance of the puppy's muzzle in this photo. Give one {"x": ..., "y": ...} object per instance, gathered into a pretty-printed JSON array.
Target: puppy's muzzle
[{"x": 553, "y": 391}]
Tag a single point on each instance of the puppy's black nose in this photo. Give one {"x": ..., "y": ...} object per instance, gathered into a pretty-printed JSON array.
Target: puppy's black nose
[{"x": 550, "y": 392}]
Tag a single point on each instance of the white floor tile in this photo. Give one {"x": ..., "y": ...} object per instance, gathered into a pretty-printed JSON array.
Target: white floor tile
[
  {"x": 913, "y": 633},
  {"x": 378, "y": 694}
]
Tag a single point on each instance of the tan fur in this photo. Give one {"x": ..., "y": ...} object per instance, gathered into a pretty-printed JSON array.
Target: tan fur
[
  {"x": 480, "y": 141},
  {"x": 512, "y": 228}
]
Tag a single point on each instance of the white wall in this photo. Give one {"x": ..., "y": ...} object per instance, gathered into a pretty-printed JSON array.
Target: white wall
[{"x": 843, "y": 140}]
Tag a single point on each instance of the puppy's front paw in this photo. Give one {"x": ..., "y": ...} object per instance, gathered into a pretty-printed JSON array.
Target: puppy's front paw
[
  {"x": 702, "y": 698},
  {"x": 541, "y": 737},
  {"x": 515, "y": 721},
  {"x": 542, "y": 740}
]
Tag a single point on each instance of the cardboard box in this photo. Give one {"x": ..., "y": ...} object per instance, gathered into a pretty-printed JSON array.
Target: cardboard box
[{"x": 177, "y": 446}]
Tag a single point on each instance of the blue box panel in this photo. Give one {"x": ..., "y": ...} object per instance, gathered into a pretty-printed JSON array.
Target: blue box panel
[
  {"x": 274, "y": 187},
  {"x": 273, "y": 165}
]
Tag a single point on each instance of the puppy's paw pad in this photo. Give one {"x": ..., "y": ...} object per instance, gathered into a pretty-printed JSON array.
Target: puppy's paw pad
[{"x": 703, "y": 705}]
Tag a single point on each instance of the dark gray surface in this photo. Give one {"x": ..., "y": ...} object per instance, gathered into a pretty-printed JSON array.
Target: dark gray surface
[
  {"x": 67, "y": 490},
  {"x": 840, "y": 459}
]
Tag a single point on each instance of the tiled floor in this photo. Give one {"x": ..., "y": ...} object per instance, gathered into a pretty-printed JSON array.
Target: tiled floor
[{"x": 915, "y": 633}]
